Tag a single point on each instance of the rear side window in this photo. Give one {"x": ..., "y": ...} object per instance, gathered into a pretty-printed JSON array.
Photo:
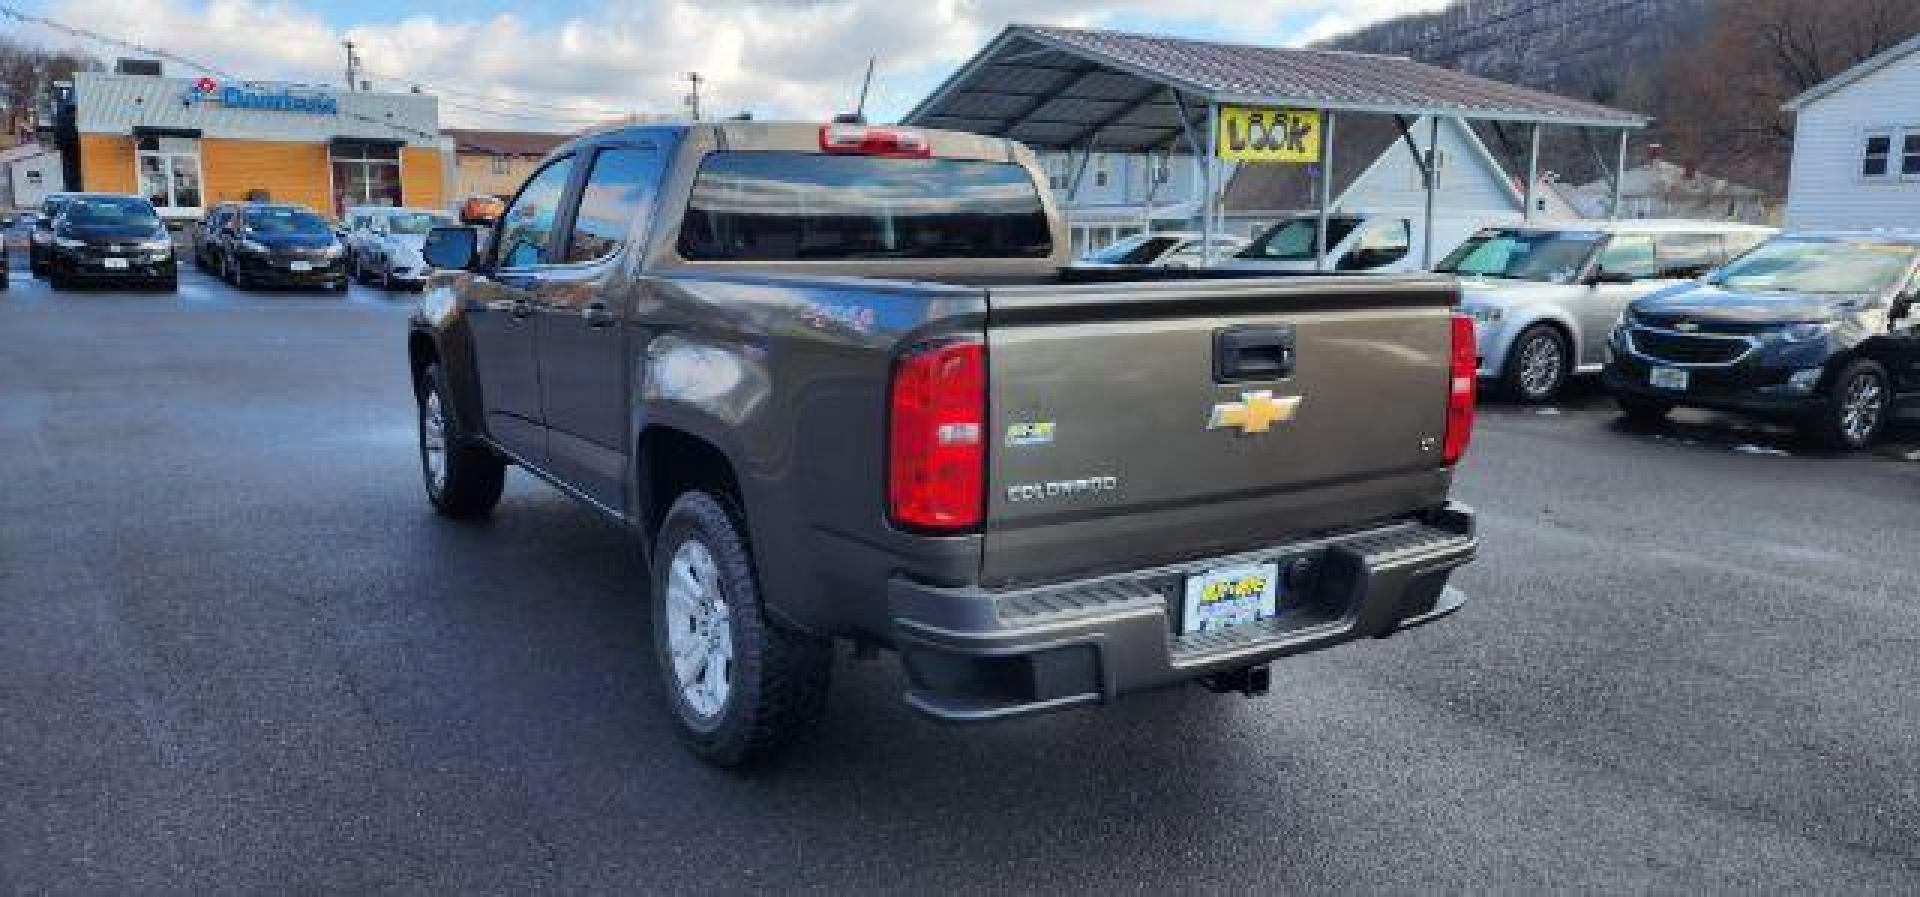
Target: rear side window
[{"x": 782, "y": 206}]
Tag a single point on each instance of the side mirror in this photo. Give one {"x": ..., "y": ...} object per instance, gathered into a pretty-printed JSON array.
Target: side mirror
[{"x": 451, "y": 248}]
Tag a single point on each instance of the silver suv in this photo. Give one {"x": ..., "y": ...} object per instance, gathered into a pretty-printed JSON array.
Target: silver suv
[{"x": 1543, "y": 297}]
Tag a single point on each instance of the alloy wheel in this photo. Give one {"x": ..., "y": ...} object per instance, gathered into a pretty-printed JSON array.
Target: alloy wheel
[
  {"x": 700, "y": 630},
  {"x": 1860, "y": 407},
  {"x": 433, "y": 442},
  {"x": 1541, "y": 361}
]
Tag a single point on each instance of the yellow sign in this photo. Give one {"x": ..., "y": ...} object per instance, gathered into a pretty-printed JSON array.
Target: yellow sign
[
  {"x": 1256, "y": 412},
  {"x": 1255, "y": 134}
]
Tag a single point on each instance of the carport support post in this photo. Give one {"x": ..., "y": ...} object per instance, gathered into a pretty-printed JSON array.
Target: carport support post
[
  {"x": 1619, "y": 174},
  {"x": 1533, "y": 173},
  {"x": 1209, "y": 179},
  {"x": 1326, "y": 189},
  {"x": 1432, "y": 173}
]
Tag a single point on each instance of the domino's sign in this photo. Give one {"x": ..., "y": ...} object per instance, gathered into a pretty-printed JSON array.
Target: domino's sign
[{"x": 282, "y": 100}]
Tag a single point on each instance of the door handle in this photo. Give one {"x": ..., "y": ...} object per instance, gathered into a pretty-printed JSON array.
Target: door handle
[
  {"x": 1253, "y": 353},
  {"x": 518, "y": 308},
  {"x": 597, "y": 314}
]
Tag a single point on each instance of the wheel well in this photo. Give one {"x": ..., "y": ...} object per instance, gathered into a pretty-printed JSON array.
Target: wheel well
[
  {"x": 1557, "y": 326},
  {"x": 673, "y": 461},
  {"x": 420, "y": 353}
]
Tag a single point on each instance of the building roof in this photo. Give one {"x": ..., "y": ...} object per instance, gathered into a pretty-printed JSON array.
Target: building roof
[
  {"x": 1058, "y": 87},
  {"x": 1860, "y": 70},
  {"x": 505, "y": 143}
]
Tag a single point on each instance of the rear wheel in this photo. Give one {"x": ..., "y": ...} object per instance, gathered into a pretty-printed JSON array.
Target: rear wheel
[
  {"x": 1642, "y": 410},
  {"x": 58, "y": 279},
  {"x": 1856, "y": 408},
  {"x": 1537, "y": 364},
  {"x": 463, "y": 478},
  {"x": 740, "y": 686}
]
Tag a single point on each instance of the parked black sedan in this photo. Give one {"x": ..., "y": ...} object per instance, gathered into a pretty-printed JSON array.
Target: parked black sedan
[
  {"x": 110, "y": 238},
  {"x": 273, "y": 244}
]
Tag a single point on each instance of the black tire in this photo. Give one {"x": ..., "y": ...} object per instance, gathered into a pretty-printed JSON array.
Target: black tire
[
  {"x": 473, "y": 475},
  {"x": 1641, "y": 410},
  {"x": 777, "y": 677},
  {"x": 168, "y": 285},
  {"x": 1538, "y": 377},
  {"x": 57, "y": 279},
  {"x": 226, "y": 269},
  {"x": 199, "y": 259},
  {"x": 1836, "y": 426}
]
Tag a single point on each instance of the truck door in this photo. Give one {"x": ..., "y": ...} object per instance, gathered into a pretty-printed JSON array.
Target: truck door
[
  {"x": 583, "y": 304},
  {"x": 499, "y": 313}
]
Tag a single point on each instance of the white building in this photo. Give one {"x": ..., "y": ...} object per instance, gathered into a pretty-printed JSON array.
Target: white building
[
  {"x": 1662, "y": 189},
  {"x": 1118, "y": 194},
  {"x": 28, "y": 173},
  {"x": 1856, "y": 146}
]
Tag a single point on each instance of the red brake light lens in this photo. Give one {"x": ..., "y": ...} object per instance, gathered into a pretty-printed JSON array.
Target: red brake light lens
[
  {"x": 936, "y": 453},
  {"x": 868, "y": 140},
  {"x": 1462, "y": 371}
]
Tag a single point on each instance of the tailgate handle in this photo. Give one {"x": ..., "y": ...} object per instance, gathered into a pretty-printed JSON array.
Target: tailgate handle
[{"x": 1253, "y": 353}]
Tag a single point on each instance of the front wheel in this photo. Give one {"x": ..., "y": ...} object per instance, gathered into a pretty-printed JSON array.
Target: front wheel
[
  {"x": 740, "y": 686},
  {"x": 1856, "y": 408},
  {"x": 1537, "y": 364},
  {"x": 463, "y": 478}
]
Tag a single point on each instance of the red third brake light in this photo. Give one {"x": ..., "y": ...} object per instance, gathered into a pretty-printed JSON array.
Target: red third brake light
[
  {"x": 1462, "y": 369},
  {"x": 868, "y": 140},
  {"x": 936, "y": 451}
]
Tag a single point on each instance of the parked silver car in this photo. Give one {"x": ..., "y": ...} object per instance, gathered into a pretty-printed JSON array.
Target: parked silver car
[
  {"x": 1543, "y": 297},
  {"x": 383, "y": 244}
]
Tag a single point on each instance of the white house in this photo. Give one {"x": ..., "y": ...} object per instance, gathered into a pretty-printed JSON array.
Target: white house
[
  {"x": 28, "y": 173},
  {"x": 1856, "y": 146},
  {"x": 1662, "y": 189},
  {"x": 1119, "y": 194}
]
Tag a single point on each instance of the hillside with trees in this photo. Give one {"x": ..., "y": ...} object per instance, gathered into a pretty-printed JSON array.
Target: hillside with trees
[{"x": 1712, "y": 73}]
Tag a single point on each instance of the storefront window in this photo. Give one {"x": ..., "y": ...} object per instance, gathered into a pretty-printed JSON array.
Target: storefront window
[
  {"x": 170, "y": 172},
  {"x": 365, "y": 175}
]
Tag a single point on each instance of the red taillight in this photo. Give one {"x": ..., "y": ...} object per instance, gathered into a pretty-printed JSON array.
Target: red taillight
[
  {"x": 867, "y": 140},
  {"x": 1462, "y": 369},
  {"x": 936, "y": 452}
]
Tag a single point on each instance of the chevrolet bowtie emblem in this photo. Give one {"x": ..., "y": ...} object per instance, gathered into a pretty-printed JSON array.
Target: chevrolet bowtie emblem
[{"x": 1256, "y": 412}]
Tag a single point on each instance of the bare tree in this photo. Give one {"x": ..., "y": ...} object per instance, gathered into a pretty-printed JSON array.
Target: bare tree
[
  {"x": 27, "y": 74},
  {"x": 1727, "y": 88}
]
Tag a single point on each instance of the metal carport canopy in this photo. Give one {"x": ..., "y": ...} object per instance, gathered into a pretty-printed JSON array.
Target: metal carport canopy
[
  {"x": 1067, "y": 88},
  {"x": 1062, "y": 87}
]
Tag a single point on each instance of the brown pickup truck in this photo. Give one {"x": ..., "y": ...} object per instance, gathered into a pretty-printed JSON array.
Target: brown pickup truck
[{"x": 840, "y": 384}]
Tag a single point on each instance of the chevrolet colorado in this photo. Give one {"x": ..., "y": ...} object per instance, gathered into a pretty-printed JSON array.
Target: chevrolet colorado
[{"x": 841, "y": 385}]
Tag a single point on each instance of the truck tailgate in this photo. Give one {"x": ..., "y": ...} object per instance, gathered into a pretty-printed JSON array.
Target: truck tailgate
[{"x": 1142, "y": 423}]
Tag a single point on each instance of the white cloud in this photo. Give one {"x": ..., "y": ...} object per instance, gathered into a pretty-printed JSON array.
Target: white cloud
[{"x": 774, "y": 57}]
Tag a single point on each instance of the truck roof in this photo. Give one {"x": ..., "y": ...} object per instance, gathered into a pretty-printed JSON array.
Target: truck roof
[{"x": 804, "y": 136}]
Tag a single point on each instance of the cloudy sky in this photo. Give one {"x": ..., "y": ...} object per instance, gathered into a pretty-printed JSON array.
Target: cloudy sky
[{"x": 561, "y": 64}]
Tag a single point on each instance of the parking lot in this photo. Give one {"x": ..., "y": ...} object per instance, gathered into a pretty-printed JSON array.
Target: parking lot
[{"x": 239, "y": 652}]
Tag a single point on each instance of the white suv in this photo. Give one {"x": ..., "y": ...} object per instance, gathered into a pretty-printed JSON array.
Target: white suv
[{"x": 1543, "y": 297}]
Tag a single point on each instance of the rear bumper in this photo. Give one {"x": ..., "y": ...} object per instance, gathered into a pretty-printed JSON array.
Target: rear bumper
[{"x": 975, "y": 655}]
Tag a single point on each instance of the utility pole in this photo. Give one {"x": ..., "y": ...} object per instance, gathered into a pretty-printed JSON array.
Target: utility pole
[
  {"x": 353, "y": 66},
  {"x": 693, "y": 96}
]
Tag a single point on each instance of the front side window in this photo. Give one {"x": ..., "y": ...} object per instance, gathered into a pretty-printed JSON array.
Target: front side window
[
  {"x": 1836, "y": 267},
  {"x": 619, "y": 189},
  {"x": 788, "y": 206},
  {"x": 1136, "y": 250},
  {"x": 1542, "y": 256},
  {"x": 528, "y": 224},
  {"x": 1292, "y": 240},
  {"x": 1381, "y": 243},
  {"x": 169, "y": 169}
]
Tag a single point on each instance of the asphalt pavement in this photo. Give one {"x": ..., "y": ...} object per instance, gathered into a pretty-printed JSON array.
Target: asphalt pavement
[{"x": 238, "y": 653}]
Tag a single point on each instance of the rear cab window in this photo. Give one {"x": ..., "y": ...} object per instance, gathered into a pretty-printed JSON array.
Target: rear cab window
[{"x": 775, "y": 206}]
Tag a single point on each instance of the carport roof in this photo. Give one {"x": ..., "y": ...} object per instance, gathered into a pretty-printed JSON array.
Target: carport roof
[{"x": 1059, "y": 87}]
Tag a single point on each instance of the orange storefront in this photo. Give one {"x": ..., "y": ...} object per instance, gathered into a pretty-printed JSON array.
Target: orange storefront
[{"x": 190, "y": 143}]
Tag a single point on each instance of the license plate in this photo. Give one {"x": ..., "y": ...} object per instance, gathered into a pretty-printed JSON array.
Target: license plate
[
  {"x": 113, "y": 263},
  {"x": 1668, "y": 378},
  {"x": 299, "y": 266},
  {"x": 1230, "y": 596}
]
